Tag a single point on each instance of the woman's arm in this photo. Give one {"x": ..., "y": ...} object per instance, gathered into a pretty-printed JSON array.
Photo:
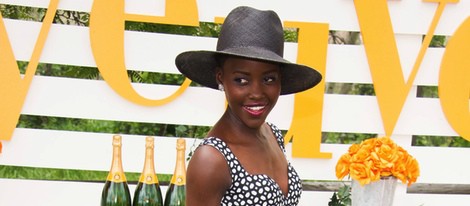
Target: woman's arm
[{"x": 208, "y": 177}]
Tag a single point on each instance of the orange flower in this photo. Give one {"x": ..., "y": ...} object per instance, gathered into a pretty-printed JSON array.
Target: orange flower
[
  {"x": 342, "y": 168},
  {"x": 375, "y": 158},
  {"x": 400, "y": 169},
  {"x": 386, "y": 155},
  {"x": 413, "y": 171},
  {"x": 368, "y": 144},
  {"x": 353, "y": 149},
  {"x": 362, "y": 155},
  {"x": 363, "y": 172}
]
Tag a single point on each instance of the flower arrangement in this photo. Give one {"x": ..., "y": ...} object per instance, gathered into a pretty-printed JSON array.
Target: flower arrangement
[{"x": 377, "y": 158}]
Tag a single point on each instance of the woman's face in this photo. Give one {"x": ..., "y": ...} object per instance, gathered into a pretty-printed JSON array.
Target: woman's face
[{"x": 251, "y": 88}]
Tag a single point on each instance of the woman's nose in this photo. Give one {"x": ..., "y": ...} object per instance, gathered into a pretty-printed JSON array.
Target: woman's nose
[{"x": 256, "y": 90}]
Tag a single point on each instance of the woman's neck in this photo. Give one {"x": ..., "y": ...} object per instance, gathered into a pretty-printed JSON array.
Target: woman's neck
[{"x": 231, "y": 129}]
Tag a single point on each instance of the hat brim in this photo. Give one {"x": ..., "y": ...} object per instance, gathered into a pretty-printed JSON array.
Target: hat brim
[{"x": 199, "y": 66}]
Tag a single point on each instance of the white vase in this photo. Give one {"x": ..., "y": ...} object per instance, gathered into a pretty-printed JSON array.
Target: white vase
[{"x": 377, "y": 193}]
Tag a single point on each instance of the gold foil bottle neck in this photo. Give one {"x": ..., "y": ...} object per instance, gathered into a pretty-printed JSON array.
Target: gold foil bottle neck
[
  {"x": 117, "y": 140},
  {"x": 179, "y": 176},
  {"x": 149, "y": 142},
  {"x": 148, "y": 174},
  {"x": 116, "y": 173},
  {"x": 180, "y": 144}
]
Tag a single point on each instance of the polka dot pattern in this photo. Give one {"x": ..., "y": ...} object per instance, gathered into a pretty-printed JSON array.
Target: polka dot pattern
[{"x": 247, "y": 189}]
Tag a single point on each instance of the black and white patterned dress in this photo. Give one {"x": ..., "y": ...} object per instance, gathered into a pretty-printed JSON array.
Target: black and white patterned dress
[{"x": 248, "y": 189}]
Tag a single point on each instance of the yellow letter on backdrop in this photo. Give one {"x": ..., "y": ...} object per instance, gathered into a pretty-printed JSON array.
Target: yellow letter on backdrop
[
  {"x": 382, "y": 55},
  {"x": 307, "y": 119},
  {"x": 13, "y": 88},
  {"x": 107, "y": 21},
  {"x": 454, "y": 81}
]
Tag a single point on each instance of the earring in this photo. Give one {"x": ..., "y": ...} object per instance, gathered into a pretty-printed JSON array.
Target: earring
[{"x": 221, "y": 87}]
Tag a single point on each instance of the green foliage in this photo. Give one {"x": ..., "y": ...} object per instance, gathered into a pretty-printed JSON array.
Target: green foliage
[
  {"x": 112, "y": 127},
  {"x": 427, "y": 91},
  {"x": 21, "y": 12},
  {"x": 342, "y": 197},
  {"x": 438, "y": 41},
  {"x": 58, "y": 70},
  {"x": 156, "y": 78},
  {"x": 72, "y": 18},
  {"x": 440, "y": 141},
  {"x": 205, "y": 28},
  {"x": 345, "y": 138},
  {"x": 363, "y": 89},
  {"x": 291, "y": 35},
  {"x": 350, "y": 88}
]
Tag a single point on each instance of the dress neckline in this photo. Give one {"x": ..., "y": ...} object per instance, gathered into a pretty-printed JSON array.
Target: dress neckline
[{"x": 265, "y": 176}]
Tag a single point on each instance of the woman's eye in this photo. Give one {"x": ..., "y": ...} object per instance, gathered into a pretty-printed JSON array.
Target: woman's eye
[
  {"x": 269, "y": 79},
  {"x": 241, "y": 80}
]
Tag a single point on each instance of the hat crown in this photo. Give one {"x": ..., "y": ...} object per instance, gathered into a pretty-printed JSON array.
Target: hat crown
[
  {"x": 254, "y": 34},
  {"x": 249, "y": 27}
]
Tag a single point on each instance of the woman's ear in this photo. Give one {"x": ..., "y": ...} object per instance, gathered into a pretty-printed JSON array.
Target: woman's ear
[{"x": 218, "y": 75}]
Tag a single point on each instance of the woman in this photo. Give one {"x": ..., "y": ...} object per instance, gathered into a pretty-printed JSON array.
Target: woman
[{"x": 242, "y": 160}]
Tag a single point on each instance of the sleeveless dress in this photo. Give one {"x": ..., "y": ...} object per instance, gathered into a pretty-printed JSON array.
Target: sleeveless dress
[{"x": 260, "y": 189}]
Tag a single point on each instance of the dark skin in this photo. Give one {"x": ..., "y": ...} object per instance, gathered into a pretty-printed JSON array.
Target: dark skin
[{"x": 252, "y": 89}]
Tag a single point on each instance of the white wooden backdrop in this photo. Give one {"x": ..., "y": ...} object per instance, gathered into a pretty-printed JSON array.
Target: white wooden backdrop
[{"x": 91, "y": 99}]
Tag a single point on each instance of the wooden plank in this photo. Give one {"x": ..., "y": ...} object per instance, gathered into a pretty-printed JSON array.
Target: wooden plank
[
  {"x": 442, "y": 161},
  {"x": 360, "y": 114},
  {"x": 89, "y": 99},
  {"x": 152, "y": 52},
  {"x": 346, "y": 63},
  {"x": 95, "y": 100},
  {"x": 155, "y": 52},
  {"x": 93, "y": 151},
  {"x": 87, "y": 151},
  {"x": 408, "y": 17}
]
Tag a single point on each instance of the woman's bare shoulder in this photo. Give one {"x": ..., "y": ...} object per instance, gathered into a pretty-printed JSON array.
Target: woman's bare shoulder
[
  {"x": 208, "y": 154},
  {"x": 208, "y": 177}
]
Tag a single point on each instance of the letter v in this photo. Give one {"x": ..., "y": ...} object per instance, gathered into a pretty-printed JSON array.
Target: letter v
[
  {"x": 13, "y": 88},
  {"x": 382, "y": 54}
]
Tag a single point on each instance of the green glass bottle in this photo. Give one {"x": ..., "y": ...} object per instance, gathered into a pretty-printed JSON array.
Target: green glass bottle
[
  {"x": 176, "y": 193},
  {"x": 147, "y": 192},
  {"x": 116, "y": 190}
]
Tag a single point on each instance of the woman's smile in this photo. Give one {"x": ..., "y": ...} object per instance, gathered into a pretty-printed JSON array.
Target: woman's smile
[{"x": 255, "y": 110}]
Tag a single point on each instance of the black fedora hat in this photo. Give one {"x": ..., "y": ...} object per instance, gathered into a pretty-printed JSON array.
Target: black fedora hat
[{"x": 254, "y": 34}]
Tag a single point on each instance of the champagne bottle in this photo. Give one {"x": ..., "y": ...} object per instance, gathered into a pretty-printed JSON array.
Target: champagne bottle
[
  {"x": 176, "y": 193},
  {"x": 116, "y": 190},
  {"x": 147, "y": 192}
]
